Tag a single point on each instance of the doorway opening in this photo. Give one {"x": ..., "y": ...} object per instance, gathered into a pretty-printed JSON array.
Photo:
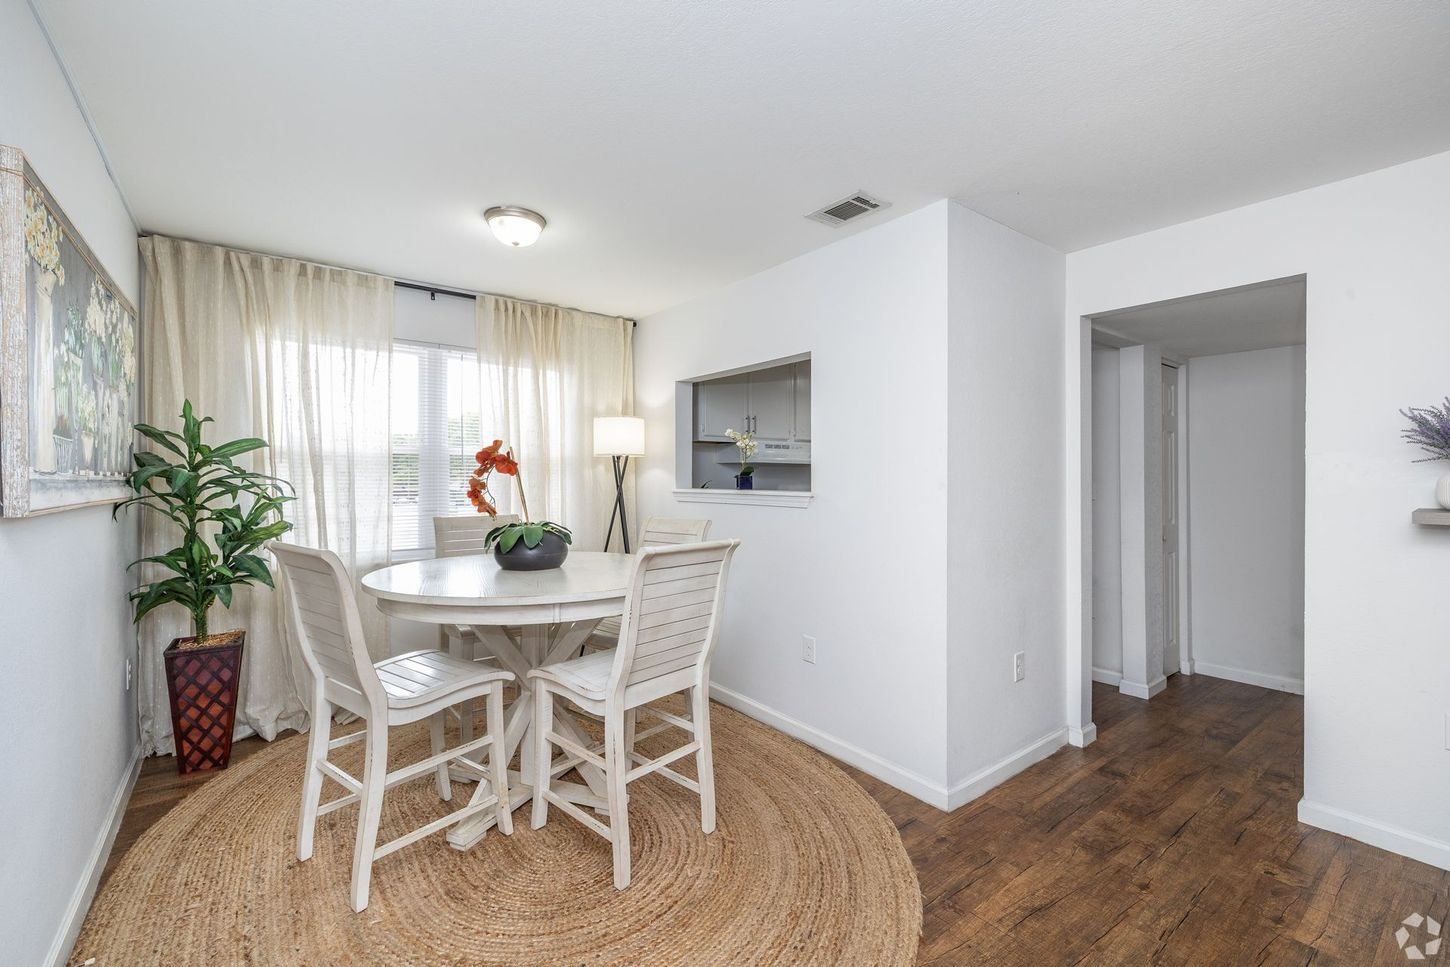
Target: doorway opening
[{"x": 1195, "y": 463}]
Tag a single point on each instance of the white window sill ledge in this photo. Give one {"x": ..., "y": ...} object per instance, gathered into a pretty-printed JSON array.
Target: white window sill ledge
[{"x": 760, "y": 498}]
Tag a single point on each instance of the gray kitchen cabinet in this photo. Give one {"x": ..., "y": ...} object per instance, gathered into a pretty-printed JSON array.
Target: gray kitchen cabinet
[{"x": 766, "y": 401}]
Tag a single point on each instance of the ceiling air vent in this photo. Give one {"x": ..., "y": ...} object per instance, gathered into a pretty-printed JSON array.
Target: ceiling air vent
[{"x": 847, "y": 208}]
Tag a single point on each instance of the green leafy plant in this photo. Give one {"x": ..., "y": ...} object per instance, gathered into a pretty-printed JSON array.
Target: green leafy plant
[
  {"x": 531, "y": 533},
  {"x": 225, "y": 514}
]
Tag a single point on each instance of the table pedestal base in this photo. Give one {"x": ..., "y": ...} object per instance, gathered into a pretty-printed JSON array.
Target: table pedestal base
[{"x": 537, "y": 646}]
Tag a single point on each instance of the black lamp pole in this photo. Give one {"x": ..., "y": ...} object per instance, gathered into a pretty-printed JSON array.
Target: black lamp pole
[{"x": 621, "y": 464}]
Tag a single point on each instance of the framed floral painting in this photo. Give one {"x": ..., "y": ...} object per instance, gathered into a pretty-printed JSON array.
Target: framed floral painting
[{"x": 69, "y": 349}]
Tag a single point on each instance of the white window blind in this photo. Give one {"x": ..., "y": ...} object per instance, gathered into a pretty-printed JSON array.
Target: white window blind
[{"x": 435, "y": 424}]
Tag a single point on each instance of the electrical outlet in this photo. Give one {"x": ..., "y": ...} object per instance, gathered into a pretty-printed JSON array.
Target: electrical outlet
[
  {"x": 808, "y": 649},
  {"x": 128, "y": 674},
  {"x": 1019, "y": 666}
]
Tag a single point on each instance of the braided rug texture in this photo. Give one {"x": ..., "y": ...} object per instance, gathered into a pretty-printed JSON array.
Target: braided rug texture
[{"x": 803, "y": 868}]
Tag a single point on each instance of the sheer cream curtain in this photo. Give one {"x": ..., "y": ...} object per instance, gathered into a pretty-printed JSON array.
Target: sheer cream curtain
[
  {"x": 545, "y": 373},
  {"x": 298, "y": 354}
]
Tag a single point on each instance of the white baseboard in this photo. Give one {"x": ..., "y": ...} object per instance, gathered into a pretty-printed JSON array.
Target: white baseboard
[
  {"x": 1083, "y": 737},
  {"x": 1107, "y": 676},
  {"x": 85, "y": 891},
  {"x": 999, "y": 772},
  {"x": 888, "y": 772},
  {"x": 1145, "y": 692},
  {"x": 1366, "y": 830},
  {"x": 1244, "y": 676}
]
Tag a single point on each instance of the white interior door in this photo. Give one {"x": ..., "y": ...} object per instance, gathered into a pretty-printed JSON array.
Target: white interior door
[{"x": 1171, "y": 560}]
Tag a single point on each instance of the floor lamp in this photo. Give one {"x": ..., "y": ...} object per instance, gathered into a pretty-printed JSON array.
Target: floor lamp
[{"x": 618, "y": 438}]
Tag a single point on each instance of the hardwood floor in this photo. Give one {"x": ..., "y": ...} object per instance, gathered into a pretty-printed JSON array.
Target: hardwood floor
[{"x": 1171, "y": 840}]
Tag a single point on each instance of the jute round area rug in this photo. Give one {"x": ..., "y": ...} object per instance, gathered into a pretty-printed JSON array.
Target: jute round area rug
[{"x": 804, "y": 868}]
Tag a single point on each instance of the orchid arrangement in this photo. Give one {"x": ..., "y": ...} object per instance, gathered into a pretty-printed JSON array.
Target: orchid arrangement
[
  {"x": 1429, "y": 430},
  {"x": 745, "y": 443},
  {"x": 494, "y": 459}
]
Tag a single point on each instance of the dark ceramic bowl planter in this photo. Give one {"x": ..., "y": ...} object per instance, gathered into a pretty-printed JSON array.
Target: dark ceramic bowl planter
[
  {"x": 202, "y": 683},
  {"x": 549, "y": 553},
  {"x": 529, "y": 545}
]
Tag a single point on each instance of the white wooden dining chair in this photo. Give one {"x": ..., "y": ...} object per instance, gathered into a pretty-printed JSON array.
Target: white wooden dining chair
[
  {"x": 671, "y": 623},
  {"x": 397, "y": 691},
  {"x": 657, "y": 532},
  {"x": 455, "y": 537}
]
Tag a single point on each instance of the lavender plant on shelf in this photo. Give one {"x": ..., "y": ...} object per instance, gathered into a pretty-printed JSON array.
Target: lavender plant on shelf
[{"x": 1429, "y": 430}]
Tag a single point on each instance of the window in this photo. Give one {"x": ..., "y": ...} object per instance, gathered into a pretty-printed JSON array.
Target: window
[{"x": 435, "y": 422}]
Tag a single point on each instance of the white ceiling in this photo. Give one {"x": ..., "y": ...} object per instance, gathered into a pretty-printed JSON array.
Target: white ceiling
[
  {"x": 675, "y": 146},
  {"x": 1232, "y": 321}
]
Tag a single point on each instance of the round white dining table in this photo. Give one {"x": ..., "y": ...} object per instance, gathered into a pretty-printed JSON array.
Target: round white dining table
[{"x": 524, "y": 619}]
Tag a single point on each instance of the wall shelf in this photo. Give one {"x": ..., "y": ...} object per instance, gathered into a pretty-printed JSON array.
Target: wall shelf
[
  {"x": 1431, "y": 517},
  {"x": 763, "y": 498}
]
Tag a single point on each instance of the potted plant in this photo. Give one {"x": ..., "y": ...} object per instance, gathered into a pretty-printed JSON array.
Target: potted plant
[
  {"x": 528, "y": 545},
  {"x": 745, "y": 443},
  {"x": 225, "y": 515},
  {"x": 1430, "y": 431}
]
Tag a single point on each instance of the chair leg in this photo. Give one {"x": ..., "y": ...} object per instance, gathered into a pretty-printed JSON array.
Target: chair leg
[
  {"x": 370, "y": 812},
  {"x": 616, "y": 761},
  {"x": 465, "y": 647},
  {"x": 498, "y": 758},
  {"x": 631, "y": 718},
  {"x": 436, "y": 724},
  {"x": 705, "y": 758},
  {"x": 312, "y": 780},
  {"x": 543, "y": 756}
]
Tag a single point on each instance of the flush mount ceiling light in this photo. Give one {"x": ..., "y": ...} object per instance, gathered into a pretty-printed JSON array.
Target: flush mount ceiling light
[{"x": 515, "y": 226}]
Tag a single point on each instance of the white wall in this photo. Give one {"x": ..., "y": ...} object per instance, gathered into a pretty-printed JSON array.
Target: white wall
[
  {"x": 931, "y": 552},
  {"x": 1377, "y": 671},
  {"x": 1246, "y": 507},
  {"x": 1005, "y": 526},
  {"x": 69, "y": 725},
  {"x": 872, "y": 311},
  {"x": 445, "y": 320},
  {"x": 1107, "y": 587}
]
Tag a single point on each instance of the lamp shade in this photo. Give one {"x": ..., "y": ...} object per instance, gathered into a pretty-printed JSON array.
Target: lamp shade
[{"x": 618, "y": 436}]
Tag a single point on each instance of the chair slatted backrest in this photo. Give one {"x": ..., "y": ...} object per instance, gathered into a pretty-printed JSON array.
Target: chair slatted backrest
[
  {"x": 672, "y": 615},
  {"x": 456, "y": 536},
  {"x": 324, "y": 618},
  {"x": 666, "y": 531}
]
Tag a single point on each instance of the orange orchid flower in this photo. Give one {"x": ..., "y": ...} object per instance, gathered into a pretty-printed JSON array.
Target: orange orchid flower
[{"x": 491, "y": 458}]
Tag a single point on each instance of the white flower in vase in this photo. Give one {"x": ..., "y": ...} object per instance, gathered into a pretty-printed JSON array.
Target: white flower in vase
[{"x": 745, "y": 443}]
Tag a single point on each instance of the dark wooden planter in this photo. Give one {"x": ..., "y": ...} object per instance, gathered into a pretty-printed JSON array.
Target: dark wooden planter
[{"x": 203, "y": 685}]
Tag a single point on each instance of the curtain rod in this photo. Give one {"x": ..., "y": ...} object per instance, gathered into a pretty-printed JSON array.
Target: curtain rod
[
  {"x": 405, "y": 283},
  {"x": 436, "y": 290}
]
